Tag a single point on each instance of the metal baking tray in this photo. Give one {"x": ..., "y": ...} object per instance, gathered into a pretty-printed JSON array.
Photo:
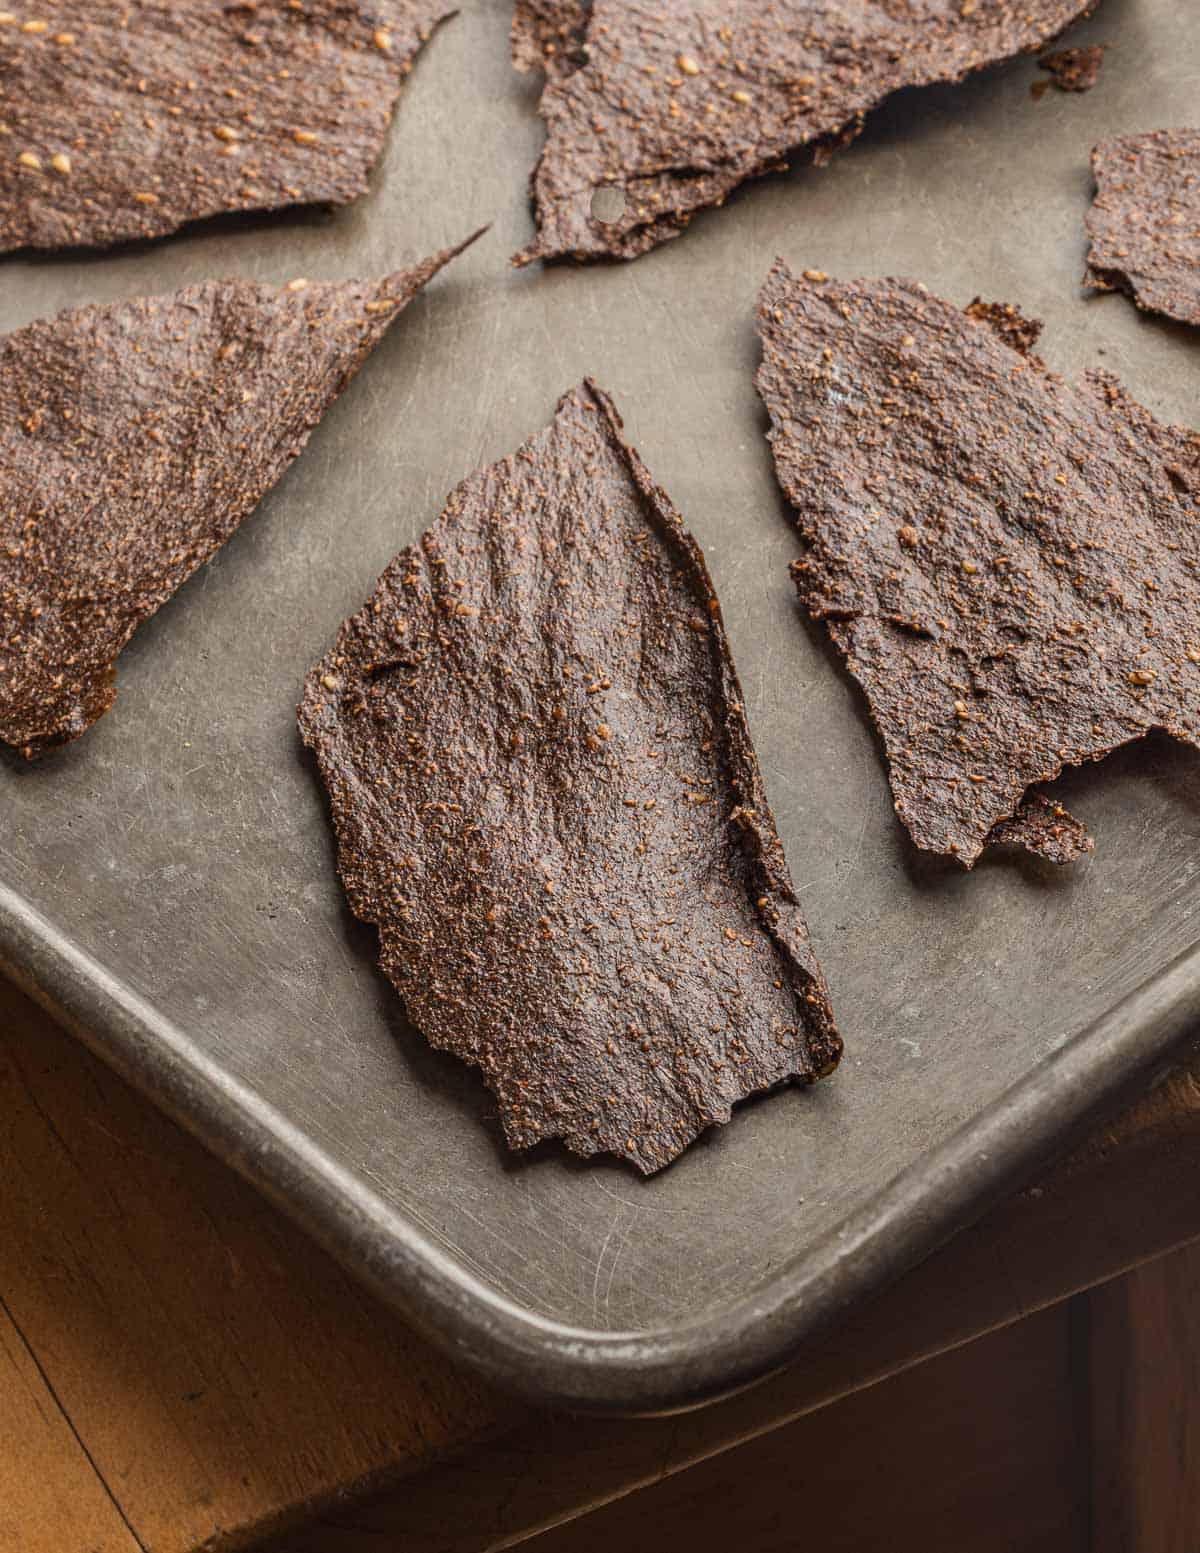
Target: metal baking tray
[{"x": 167, "y": 883}]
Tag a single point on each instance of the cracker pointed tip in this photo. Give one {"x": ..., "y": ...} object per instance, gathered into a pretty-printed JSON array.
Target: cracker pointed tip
[
  {"x": 601, "y": 397},
  {"x": 467, "y": 242},
  {"x": 438, "y": 261},
  {"x": 409, "y": 281},
  {"x": 780, "y": 274}
]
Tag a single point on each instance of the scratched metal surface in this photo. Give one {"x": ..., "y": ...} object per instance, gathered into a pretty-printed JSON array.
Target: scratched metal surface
[{"x": 183, "y": 844}]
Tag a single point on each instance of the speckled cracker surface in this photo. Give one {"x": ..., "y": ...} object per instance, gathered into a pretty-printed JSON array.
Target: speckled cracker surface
[
  {"x": 1071, "y": 70},
  {"x": 1009, "y": 563},
  {"x": 134, "y": 439},
  {"x": 123, "y": 119},
  {"x": 677, "y": 102},
  {"x": 547, "y": 801},
  {"x": 1145, "y": 222},
  {"x": 548, "y": 35}
]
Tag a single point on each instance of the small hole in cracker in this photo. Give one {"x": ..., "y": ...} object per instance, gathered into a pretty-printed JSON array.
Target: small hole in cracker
[{"x": 608, "y": 203}]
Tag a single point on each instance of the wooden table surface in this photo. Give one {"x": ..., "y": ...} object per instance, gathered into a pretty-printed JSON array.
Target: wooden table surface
[{"x": 181, "y": 1369}]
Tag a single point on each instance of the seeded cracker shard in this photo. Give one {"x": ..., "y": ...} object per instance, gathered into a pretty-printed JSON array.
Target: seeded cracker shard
[
  {"x": 1071, "y": 70},
  {"x": 1007, "y": 561},
  {"x": 134, "y": 440},
  {"x": 547, "y": 801},
  {"x": 548, "y": 35},
  {"x": 677, "y": 102},
  {"x": 126, "y": 118},
  {"x": 1145, "y": 223}
]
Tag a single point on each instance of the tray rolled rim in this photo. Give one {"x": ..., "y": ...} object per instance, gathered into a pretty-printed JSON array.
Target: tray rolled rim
[{"x": 652, "y": 1371}]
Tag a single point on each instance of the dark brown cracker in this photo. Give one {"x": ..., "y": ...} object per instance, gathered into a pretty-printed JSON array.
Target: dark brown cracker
[
  {"x": 677, "y": 102},
  {"x": 548, "y": 35},
  {"x": 1009, "y": 322},
  {"x": 1008, "y": 562},
  {"x": 1043, "y": 826},
  {"x": 547, "y": 800},
  {"x": 1071, "y": 70},
  {"x": 123, "y": 119},
  {"x": 134, "y": 439},
  {"x": 1145, "y": 222}
]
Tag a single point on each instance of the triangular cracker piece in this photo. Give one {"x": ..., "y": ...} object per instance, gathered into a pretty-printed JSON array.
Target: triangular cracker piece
[{"x": 134, "y": 439}]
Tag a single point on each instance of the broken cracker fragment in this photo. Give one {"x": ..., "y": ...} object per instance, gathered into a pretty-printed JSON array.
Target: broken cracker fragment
[
  {"x": 1144, "y": 223},
  {"x": 681, "y": 109},
  {"x": 98, "y": 529},
  {"x": 608, "y": 933},
  {"x": 328, "y": 57},
  {"x": 1042, "y": 826},
  {"x": 1071, "y": 70},
  {"x": 1026, "y": 597}
]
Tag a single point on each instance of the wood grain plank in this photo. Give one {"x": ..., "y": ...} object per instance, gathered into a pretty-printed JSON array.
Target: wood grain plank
[
  {"x": 223, "y": 1372},
  {"x": 1145, "y": 1408},
  {"x": 51, "y": 1497},
  {"x": 981, "y": 1448}
]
